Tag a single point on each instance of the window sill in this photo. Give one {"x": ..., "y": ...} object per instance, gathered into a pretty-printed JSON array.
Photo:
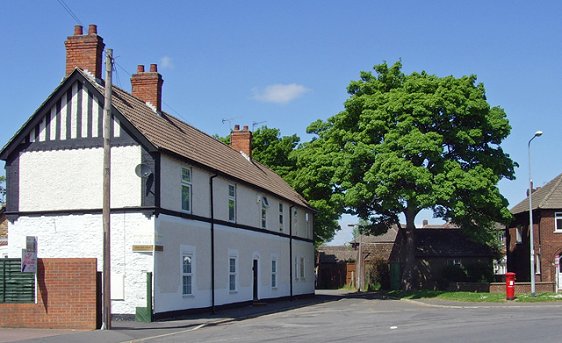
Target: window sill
[
  {"x": 232, "y": 292},
  {"x": 188, "y": 296},
  {"x": 557, "y": 231}
]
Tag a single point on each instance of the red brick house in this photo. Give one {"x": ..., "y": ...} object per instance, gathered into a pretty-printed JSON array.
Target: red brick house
[{"x": 547, "y": 234}]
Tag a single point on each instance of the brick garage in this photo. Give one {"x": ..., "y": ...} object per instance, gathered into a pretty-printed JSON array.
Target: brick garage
[{"x": 66, "y": 297}]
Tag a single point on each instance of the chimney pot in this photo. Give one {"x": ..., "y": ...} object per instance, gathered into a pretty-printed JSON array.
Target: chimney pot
[
  {"x": 84, "y": 52},
  {"x": 93, "y": 29},
  {"x": 241, "y": 140},
  {"x": 148, "y": 86},
  {"x": 425, "y": 222}
]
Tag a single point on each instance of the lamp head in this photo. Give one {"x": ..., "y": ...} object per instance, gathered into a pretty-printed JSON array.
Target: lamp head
[{"x": 538, "y": 133}]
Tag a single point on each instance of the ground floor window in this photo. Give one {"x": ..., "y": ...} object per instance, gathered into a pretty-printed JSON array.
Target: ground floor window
[
  {"x": 232, "y": 275},
  {"x": 274, "y": 273},
  {"x": 301, "y": 268},
  {"x": 187, "y": 274}
]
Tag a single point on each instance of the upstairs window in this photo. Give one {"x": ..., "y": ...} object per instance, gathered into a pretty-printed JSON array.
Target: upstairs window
[
  {"x": 186, "y": 189},
  {"x": 281, "y": 217},
  {"x": 307, "y": 220},
  {"x": 264, "y": 206},
  {"x": 232, "y": 203},
  {"x": 558, "y": 222}
]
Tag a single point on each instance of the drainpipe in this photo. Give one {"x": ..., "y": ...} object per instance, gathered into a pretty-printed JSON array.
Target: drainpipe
[
  {"x": 539, "y": 255},
  {"x": 212, "y": 245},
  {"x": 291, "y": 250}
]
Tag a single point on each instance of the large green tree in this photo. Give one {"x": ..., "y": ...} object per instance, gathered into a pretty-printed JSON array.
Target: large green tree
[{"x": 405, "y": 143}]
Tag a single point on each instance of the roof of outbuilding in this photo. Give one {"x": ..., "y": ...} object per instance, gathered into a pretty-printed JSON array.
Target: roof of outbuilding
[
  {"x": 335, "y": 254},
  {"x": 547, "y": 197},
  {"x": 387, "y": 237},
  {"x": 448, "y": 243}
]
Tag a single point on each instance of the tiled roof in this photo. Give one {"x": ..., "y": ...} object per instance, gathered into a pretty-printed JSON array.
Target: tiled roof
[
  {"x": 168, "y": 133},
  {"x": 447, "y": 243},
  {"x": 547, "y": 197},
  {"x": 387, "y": 237},
  {"x": 335, "y": 254}
]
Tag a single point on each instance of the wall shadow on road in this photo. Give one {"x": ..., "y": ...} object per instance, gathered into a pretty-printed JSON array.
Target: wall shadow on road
[{"x": 253, "y": 310}]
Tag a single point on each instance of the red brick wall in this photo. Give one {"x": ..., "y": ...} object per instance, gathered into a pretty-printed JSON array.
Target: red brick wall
[
  {"x": 549, "y": 244},
  {"x": 523, "y": 287},
  {"x": 66, "y": 297},
  {"x": 546, "y": 242}
]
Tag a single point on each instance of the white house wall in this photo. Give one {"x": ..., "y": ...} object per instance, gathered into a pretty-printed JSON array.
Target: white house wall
[
  {"x": 81, "y": 236},
  {"x": 172, "y": 234},
  {"x": 303, "y": 285},
  {"x": 177, "y": 235},
  {"x": 248, "y": 200},
  {"x": 171, "y": 169},
  {"x": 73, "y": 179}
]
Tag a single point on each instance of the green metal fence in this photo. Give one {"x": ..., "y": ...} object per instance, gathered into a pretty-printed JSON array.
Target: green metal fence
[{"x": 15, "y": 286}]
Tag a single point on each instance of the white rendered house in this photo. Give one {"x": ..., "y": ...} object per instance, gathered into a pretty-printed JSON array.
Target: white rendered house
[{"x": 212, "y": 225}]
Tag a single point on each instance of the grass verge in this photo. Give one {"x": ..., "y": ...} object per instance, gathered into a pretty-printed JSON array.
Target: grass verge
[{"x": 473, "y": 296}]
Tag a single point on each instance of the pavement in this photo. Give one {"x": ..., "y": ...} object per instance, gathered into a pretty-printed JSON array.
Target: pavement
[{"x": 131, "y": 331}]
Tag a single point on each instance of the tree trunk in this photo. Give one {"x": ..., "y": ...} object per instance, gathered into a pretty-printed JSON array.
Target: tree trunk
[{"x": 409, "y": 274}]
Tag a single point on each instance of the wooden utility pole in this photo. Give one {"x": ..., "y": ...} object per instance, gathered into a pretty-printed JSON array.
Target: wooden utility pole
[{"x": 106, "y": 310}]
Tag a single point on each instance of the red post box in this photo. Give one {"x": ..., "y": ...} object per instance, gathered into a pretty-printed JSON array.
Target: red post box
[{"x": 510, "y": 286}]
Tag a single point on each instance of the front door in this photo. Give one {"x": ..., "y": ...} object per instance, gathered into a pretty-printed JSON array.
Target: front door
[
  {"x": 559, "y": 272},
  {"x": 255, "y": 270}
]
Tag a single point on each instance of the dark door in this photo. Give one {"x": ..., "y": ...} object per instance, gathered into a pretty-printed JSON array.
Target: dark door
[{"x": 255, "y": 269}]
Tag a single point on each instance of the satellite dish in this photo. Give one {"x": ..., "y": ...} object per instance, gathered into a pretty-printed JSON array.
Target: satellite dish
[{"x": 143, "y": 170}]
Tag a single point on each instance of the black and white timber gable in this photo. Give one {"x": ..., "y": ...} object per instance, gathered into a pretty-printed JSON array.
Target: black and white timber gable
[{"x": 71, "y": 118}]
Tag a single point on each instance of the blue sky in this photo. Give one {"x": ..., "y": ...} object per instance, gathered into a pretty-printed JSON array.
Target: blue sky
[{"x": 287, "y": 63}]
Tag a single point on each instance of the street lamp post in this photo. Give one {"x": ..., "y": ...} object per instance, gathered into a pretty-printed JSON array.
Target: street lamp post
[
  {"x": 531, "y": 241},
  {"x": 359, "y": 259}
]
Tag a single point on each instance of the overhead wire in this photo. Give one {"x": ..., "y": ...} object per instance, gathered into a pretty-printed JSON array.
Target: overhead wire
[{"x": 70, "y": 12}]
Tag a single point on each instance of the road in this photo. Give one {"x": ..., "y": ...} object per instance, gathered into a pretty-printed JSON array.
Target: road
[{"x": 375, "y": 320}]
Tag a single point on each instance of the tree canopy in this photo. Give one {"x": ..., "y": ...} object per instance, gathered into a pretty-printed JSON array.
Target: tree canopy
[{"x": 405, "y": 143}]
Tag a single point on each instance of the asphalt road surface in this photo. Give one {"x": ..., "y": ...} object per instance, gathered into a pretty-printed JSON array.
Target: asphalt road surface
[{"x": 375, "y": 320}]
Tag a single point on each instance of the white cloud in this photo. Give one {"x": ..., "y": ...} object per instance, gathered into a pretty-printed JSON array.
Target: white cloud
[
  {"x": 280, "y": 93},
  {"x": 166, "y": 62}
]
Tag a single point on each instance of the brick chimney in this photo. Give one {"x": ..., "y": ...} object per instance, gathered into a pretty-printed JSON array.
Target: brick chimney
[
  {"x": 147, "y": 86},
  {"x": 241, "y": 140},
  {"x": 84, "y": 51}
]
